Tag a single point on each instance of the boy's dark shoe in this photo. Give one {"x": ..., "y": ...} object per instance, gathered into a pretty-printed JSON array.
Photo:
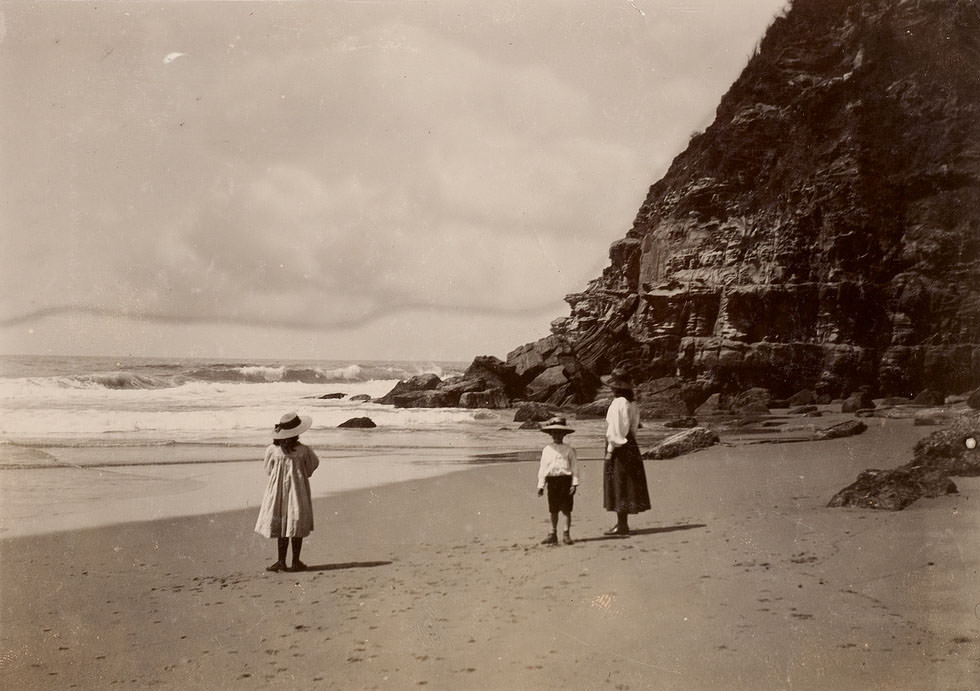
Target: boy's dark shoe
[
  {"x": 552, "y": 539},
  {"x": 567, "y": 539}
]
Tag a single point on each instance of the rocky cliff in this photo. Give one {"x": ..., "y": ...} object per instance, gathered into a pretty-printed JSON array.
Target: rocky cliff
[{"x": 822, "y": 233}]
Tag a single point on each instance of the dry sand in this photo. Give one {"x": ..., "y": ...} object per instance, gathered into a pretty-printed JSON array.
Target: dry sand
[{"x": 739, "y": 578}]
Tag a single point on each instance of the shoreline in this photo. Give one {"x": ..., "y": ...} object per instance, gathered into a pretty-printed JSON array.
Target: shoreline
[{"x": 739, "y": 578}]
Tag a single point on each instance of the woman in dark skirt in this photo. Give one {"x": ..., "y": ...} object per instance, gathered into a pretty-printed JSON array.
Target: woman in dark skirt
[{"x": 624, "y": 481}]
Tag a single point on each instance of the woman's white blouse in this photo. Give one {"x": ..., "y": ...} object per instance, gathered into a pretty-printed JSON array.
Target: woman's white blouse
[{"x": 622, "y": 419}]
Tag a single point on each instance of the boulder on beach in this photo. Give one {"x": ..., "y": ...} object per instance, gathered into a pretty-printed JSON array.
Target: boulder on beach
[
  {"x": 331, "y": 396},
  {"x": 360, "y": 398},
  {"x": 848, "y": 428},
  {"x": 595, "y": 409},
  {"x": 487, "y": 383},
  {"x": 358, "y": 423},
  {"x": 929, "y": 397},
  {"x": 802, "y": 397},
  {"x": 491, "y": 398},
  {"x": 893, "y": 490},
  {"x": 931, "y": 416},
  {"x": 408, "y": 389},
  {"x": 860, "y": 400},
  {"x": 715, "y": 404},
  {"x": 754, "y": 401},
  {"x": 496, "y": 374},
  {"x": 955, "y": 450},
  {"x": 951, "y": 451},
  {"x": 683, "y": 442},
  {"x": 537, "y": 412}
]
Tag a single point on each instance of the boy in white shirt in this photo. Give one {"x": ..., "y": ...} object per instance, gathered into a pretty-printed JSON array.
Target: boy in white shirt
[{"x": 559, "y": 472}]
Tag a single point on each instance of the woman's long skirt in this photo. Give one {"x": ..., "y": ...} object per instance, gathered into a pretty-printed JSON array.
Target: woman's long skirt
[{"x": 624, "y": 480}]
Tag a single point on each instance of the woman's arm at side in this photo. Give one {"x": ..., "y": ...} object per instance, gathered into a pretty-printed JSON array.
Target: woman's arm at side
[
  {"x": 617, "y": 423},
  {"x": 312, "y": 461}
]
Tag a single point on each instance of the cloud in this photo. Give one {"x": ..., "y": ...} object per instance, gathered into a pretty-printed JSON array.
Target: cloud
[
  {"x": 431, "y": 176},
  {"x": 332, "y": 166}
]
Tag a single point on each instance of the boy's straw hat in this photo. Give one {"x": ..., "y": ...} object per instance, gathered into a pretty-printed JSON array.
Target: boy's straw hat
[
  {"x": 291, "y": 425},
  {"x": 556, "y": 424}
]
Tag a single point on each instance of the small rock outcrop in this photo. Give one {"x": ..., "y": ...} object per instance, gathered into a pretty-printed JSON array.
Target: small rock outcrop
[
  {"x": 487, "y": 383},
  {"x": 534, "y": 412},
  {"x": 848, "y": 428},
  {"x": 893, "y": 490},
  {"x": 857, "y": 401},
  {"x": 408, "y": 390},
  {"x": 952, "y": 451},
  {"x": 683, "y": 442},
  {"x": 357, "y": 423}
]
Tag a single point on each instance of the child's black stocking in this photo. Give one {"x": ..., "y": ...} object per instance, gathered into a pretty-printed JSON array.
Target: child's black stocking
[
  {"x": 297, "y": 548},
  {"x": 282, "y": 546}
]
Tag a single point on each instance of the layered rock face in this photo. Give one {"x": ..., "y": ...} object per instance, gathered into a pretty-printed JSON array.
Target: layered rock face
[{"x": 823, "y": 233}]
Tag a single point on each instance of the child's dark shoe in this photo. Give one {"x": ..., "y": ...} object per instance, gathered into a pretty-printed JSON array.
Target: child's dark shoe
[
  {"x": 552, "y": 539},
  {"x": 567, "y": 539},
  {"x": 298, "y": 566},
  {"x": 278, "y": 566}
]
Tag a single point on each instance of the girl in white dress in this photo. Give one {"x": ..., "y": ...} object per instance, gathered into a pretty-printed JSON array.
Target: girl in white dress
[{"x": 287, "y": 506}]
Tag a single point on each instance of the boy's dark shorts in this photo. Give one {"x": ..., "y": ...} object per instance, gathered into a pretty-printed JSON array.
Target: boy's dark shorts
[{"x": 559, "y": 493}]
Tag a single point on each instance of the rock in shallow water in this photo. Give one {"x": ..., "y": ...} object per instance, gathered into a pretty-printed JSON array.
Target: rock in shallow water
[{"x": 358, "y": 423}]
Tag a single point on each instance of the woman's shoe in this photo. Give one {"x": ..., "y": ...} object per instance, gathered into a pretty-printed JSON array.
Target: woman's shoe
[
  {"x": 552, "y": 539},
  {"x": 278, "y": 566},
  {"x": 618, "y": 530}
]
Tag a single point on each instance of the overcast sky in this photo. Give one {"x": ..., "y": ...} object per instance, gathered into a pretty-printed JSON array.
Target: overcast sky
[{"x": 335, "y": 180}]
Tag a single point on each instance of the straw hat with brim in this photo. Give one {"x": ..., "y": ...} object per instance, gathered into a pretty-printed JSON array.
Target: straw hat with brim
[
  {"x": 291, "y": 425},
  {"x": 556, "y": 424},
  {"x": 618, "y": 379}
]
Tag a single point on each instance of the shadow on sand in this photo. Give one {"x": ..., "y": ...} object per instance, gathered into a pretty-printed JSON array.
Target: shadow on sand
[
  {"x": 643, "y": 531},
  {"x": 347, "y": 565}
]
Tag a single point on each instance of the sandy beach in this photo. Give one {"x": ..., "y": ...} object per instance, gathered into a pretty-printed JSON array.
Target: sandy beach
[{"x": 739, "y": 578}]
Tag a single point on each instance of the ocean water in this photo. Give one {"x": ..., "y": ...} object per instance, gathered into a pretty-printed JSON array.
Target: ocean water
[
  {"x": 100, "y": 402},
  {"x": 88, "y": 440}
]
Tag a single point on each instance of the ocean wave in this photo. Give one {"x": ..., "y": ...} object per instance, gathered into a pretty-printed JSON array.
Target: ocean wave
[
  {"x": 253, "y": 372},
  {"x": 114, "y": 380},
  {"x": 164, "y": 375},
  {"x": 95, "y": 443}
]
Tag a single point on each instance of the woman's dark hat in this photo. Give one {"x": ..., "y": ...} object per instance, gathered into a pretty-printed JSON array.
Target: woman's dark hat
[
  {"x": 291, "y": 425},
  {"x": 619, "y": 378},
  {"x": 556, "y": 424}
]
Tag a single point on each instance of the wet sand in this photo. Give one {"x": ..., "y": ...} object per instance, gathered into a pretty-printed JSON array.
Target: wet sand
[{"x": 739, "y": 578}]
